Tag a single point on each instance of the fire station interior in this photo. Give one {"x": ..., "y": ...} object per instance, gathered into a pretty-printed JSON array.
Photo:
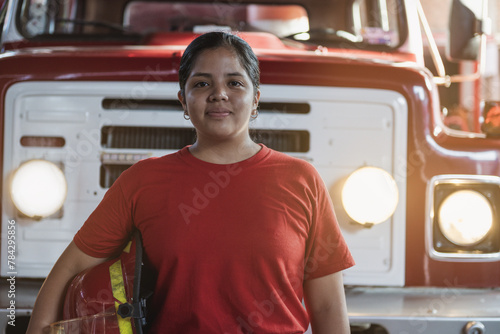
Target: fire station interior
[
  {"x": 462, "y": 105},
  {"x": 462, "y": 102}
]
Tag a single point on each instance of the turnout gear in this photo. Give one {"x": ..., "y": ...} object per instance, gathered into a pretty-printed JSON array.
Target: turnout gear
[{"x": 107, "y": 298}]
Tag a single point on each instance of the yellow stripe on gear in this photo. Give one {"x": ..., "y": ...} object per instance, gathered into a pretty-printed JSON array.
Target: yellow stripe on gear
[
  {"x": 118, "y": 287},
  {"x": 127, "y": 248}
]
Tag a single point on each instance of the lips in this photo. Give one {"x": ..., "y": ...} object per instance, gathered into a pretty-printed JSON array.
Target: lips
[{"x": 218, "y": 112}]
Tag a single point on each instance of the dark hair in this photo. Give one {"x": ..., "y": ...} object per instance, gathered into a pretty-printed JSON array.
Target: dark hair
[{"x": 217, "y": 39}]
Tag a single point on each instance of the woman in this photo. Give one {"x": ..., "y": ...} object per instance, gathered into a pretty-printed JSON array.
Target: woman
[{"x": 236, "y": 233}]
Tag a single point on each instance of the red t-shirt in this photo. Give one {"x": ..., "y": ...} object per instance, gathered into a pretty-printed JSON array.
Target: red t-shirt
[{"x": 231, "y": 244}]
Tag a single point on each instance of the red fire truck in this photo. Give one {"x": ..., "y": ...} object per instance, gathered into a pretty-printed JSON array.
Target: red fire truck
[{"x": 89, "y": 87}]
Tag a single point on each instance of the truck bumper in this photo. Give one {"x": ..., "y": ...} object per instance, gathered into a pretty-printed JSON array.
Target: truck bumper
[
  {"x": 389, "y": 310},
  {"x": 424, "y": 310}
]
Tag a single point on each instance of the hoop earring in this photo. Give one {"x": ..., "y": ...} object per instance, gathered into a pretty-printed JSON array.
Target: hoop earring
[
  {"x": 255, "y": 115},
  {"x": 186, "y": 116}
]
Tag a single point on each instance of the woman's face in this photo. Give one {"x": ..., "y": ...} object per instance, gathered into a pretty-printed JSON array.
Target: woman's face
[{"x": 219, "y": 96}]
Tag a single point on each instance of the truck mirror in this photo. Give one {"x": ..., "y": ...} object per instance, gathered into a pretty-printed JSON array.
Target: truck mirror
[
  {"x": 464, "y": 37},
  {"x": 491, "y": 119}
]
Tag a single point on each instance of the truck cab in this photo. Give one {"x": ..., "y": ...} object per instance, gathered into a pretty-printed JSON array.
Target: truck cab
[{"x": 89, "y": 87}]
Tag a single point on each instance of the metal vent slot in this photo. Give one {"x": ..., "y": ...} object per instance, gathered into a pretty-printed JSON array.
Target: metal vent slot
[
  {"x": 283, "y": 140},
  {"x": 41, "y": 141},
  {"x": 141, "y": 104},
  {"x": 160, "y": 138},
  {"x": 109, "y": 174},
  {"x": 175, "y": 105},
  {"x": 285, "y": 107}
]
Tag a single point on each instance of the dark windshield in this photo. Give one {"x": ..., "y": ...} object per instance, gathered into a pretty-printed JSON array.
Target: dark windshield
[{"x": 360, "y": 23}]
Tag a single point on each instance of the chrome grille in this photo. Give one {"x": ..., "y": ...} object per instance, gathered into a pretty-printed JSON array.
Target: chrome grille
[{"x": 156, "y": 138}]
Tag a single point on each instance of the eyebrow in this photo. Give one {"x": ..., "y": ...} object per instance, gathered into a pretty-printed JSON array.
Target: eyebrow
[{"x": 208, "y": 75}]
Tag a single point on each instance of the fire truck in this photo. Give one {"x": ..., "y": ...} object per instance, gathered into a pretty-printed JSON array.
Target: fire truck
[{"x": 89, "y": 87}]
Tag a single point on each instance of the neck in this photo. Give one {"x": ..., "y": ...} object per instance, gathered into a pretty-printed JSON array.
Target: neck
[{"x": 224, "y": 152}]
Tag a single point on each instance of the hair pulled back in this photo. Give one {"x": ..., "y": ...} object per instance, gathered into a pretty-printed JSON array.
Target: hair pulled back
[{"x": 218, "y": 39}]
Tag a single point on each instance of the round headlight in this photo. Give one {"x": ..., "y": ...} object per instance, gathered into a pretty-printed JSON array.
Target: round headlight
[
  {"x": 370, "y": 195},
  {"x": 465, "y": 217},
  {"x": 38, "y": 188}
]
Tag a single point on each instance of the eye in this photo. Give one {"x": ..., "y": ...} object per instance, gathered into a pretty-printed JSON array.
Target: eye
[
  {"x": 235, "y": 83},
  {"x": 201, "y": 84}
]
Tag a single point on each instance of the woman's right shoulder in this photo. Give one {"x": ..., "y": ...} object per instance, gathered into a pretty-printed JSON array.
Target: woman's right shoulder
[
  {"x": 152, "y": 162},
  {"x": 151, "y": 166}
]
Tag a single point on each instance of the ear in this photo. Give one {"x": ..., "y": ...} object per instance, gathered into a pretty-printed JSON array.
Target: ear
[
  {"x": 181, "y": 100},
  {"x": 256, "y": 99}
]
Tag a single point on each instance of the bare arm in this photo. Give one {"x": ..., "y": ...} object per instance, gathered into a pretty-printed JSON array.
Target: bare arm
[
  {"x": 325, "y": 302},
  {"x": 48, "y": 305}
]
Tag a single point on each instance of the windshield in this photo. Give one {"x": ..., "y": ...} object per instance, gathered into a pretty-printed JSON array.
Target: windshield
[{"x": 342, "y": 23}]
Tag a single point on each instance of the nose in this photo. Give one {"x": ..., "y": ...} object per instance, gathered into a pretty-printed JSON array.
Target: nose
[{"x": 218, "y": 93}]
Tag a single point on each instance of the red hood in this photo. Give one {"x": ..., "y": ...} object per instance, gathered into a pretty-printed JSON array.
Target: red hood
[{"x": 264, "y": 44}]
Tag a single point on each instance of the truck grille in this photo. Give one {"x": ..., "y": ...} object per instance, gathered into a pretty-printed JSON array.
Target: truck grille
[
  {"x": 109, "y": 173},
  {"x": 168, "y": 138},
  {"x": 284, "y": 107},
  {"x": 156, "y": 138},
  {"x": 282, "y": 140},
  {"x": 141, "y": 104}
]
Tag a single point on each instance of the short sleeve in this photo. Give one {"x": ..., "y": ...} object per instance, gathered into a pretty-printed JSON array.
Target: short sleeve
[
  {"x": 326, "y": 249},
  {"x": 108, "y": 228}
]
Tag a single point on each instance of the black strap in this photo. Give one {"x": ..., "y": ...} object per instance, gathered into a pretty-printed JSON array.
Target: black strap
[{"x": 141, "y": 294}]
